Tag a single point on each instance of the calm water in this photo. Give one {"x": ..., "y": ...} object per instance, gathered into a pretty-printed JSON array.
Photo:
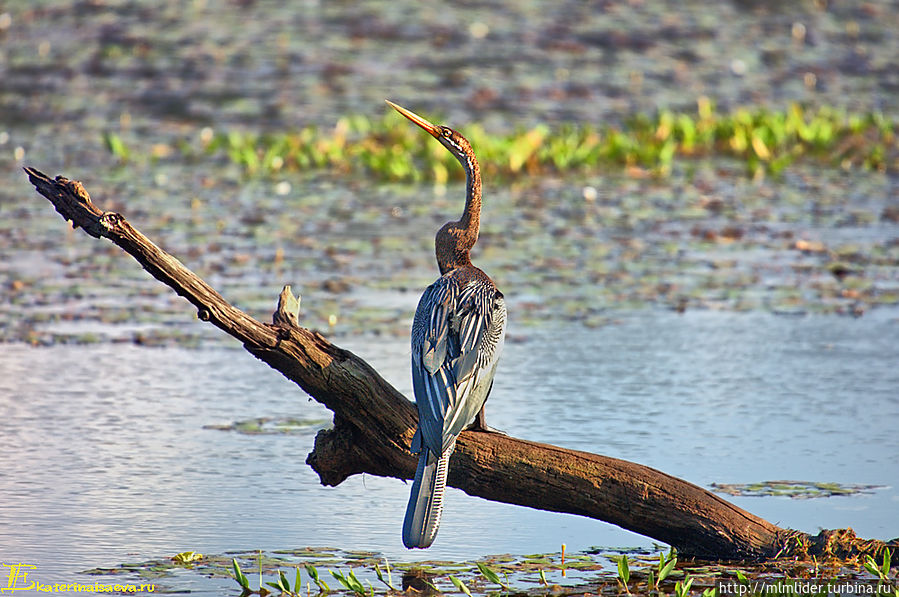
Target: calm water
[{"x": 104, "y": 457}]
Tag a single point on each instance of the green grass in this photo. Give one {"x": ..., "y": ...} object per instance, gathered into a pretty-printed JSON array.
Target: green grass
[{"x": 391, "y": 148}]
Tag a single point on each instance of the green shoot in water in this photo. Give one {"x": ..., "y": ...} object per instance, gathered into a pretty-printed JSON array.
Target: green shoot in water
[
  {"x": 313, "y": 574},
  {"x": 682, "y": 588},
  {"x": 460, "y": 585},
  {"x": 389, "y": 581},
  {"x": 282, "y": 584},
  {"x": 882, "y": 572},
  {"x": 491, "y": 575},
  {"x": 349, "y": 581},
  {"x": 624, "y": 572},
  {"x": 239, "y": 576}
]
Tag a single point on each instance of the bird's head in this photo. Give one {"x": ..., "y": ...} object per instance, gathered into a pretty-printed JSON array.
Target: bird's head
[{"x": 452, "y": 140}]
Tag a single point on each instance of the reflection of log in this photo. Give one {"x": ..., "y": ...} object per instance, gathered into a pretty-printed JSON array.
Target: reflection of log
[{"x": 374, "y": 423}]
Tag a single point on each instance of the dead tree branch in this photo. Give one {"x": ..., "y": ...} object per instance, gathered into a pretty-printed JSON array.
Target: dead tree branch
[{"x": 374, "y": 423}]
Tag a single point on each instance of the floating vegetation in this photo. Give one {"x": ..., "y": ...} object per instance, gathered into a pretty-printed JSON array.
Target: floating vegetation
[
  {"x": 274, "y": 426},
  {"x": 611, "y": 572},
  {"x": 187, "y": 557},
  {"x": 765, "y": 140},
  {"x": 579, "y": 250},
  {"x": 794, "y": 489}
]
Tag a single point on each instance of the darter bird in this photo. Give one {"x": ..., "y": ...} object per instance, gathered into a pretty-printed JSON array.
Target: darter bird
[{"x": 457, "y": 336}]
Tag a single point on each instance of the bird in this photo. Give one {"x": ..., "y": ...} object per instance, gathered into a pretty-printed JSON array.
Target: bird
[{"x": 457, "y": 338}]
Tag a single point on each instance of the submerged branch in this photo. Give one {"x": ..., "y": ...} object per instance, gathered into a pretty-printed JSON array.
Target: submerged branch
[{"x": 374, "y": 423}]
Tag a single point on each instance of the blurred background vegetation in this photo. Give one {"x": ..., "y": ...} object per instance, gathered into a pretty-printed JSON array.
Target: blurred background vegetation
[{"x": 255, "y": 136}]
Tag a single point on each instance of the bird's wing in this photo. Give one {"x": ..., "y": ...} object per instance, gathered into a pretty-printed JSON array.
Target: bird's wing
[
  {"x": 432, "y": 383},
  {"x": 447, "y": 357}
]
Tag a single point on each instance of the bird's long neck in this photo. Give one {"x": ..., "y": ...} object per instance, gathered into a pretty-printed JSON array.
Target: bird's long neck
[
  {"x": 471, "y": 216},
  {"x": 455, "y": 240}
]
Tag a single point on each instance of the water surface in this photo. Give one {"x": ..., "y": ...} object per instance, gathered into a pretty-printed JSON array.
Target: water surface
[{"x": 104, "y": 457}]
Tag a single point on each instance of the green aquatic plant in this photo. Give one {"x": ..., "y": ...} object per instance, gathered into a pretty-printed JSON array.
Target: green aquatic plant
[
  {"x": 682, "y": 587},
  {"x": 663, "y": 569},
  {"x": 766, "y": 140},
  {"x": 491, "y": 575},
  {"x": 239, "y": 576},
  {"x": 282, "y": 584},
  {"x": 461, "y": 586},
  {"x": 389, "y": 580},
  {"x": 313, "y": 574},
  {"x": 349, "y": 581},
  {"x": 624, "y": 572},
  {"x": 881, "y": 572}
]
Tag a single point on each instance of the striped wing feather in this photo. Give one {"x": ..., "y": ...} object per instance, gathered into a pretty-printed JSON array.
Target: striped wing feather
[{"x": 450, "y": 357}]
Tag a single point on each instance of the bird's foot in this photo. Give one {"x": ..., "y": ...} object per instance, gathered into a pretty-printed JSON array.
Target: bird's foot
[
  {"x": 482, "y": 427},
  {"x": 480, "y": 424}
]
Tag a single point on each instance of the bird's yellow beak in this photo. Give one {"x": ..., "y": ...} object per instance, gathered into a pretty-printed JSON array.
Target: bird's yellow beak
[{"x": 416, "y": 119}]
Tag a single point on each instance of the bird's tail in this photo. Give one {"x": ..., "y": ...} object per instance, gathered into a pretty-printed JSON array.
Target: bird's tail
[{"x": 426, "y": 502}]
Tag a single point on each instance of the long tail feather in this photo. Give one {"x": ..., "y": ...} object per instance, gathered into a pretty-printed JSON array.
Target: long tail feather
[{"x": 426, "y": 501}]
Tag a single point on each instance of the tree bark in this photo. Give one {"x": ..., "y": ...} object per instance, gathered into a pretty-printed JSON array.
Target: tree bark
[{"x": 374, "y": 423}]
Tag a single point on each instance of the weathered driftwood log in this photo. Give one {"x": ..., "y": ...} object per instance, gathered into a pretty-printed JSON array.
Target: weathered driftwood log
[{"x": 374, "y": 424}]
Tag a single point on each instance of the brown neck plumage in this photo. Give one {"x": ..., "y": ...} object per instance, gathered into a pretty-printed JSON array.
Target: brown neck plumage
[{"x": 455, "y": 240}]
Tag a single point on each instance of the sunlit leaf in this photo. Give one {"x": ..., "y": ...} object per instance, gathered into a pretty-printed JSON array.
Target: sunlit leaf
[{"x": 461, "y": 585}]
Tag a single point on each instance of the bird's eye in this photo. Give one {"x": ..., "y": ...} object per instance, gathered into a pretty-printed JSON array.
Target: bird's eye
[{"x": 447, "y": 133}]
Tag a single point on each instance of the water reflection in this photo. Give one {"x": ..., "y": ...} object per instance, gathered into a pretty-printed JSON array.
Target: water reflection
[{"x": 104, "y": 457}]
